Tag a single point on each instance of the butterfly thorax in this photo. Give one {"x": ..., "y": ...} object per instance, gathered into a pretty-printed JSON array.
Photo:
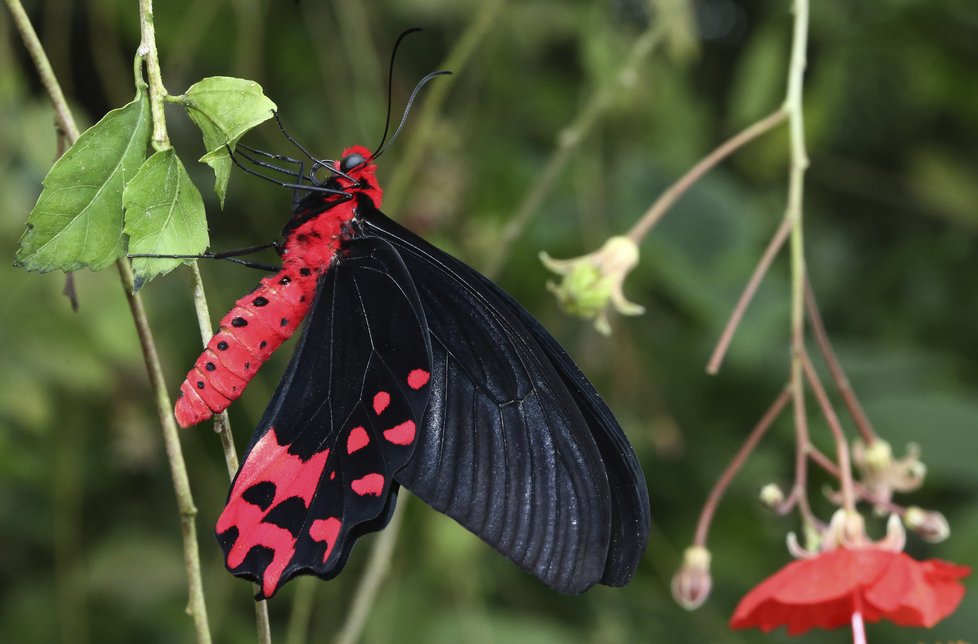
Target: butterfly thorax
[{"x": 321, "y": 220}]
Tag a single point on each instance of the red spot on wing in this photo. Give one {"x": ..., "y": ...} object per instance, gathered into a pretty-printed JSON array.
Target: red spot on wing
[
  {"x": 418, "y": 378},
  {"x": 402, "y": 434},
  {"x": 357, "y": 439},
  {"x": 381, "y": 400},
  {"x": 325, "y": 530},
  {"x": 369, "y": 484},
  {"x": 269, "y": 462}
]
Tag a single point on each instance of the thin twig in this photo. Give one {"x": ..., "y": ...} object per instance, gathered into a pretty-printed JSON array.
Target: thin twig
[
  {"x": 773, "y": 246},
  {"x": 838, "y": 435},
  {"x": 62, "y": 113},
  {"x": 222, "y": 427},
  {"x": 694, "y": 174},
  {"x": 157, "y": 93},
  {"x": 196, "y": 607},
  {"x": 793, "y": 213},
  {"x": 161, "y": 141},
  {"x": 377, "y": 568},
  {"x": 799, "y": 490},
  {"x": 178, "y": 471},
  {"x": 756, "y": 434},
  {"x": 568, "y": 141},
  {"x": 835, "y": 368}
]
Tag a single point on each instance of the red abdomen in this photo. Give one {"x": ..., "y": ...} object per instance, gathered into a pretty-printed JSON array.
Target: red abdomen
[{"x": 248, "y": 335}]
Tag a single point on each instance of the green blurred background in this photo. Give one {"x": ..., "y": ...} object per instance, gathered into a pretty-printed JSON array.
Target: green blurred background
[{"x": 89, "y": 538}]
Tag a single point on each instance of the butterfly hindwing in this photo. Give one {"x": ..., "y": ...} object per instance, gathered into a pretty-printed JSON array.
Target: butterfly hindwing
[
  {"x": 516, "y": 445},
  {"x": 345, "y": 417}
]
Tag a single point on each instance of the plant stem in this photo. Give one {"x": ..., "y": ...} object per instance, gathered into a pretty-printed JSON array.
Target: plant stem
[
  {"x": 157, "y": 93},
  {"x": 62, "y": 113},
  {"x": 773, "y": 246},
  {"x": 196, "y": 606},
  {"x": 720, "y": 487},
  {"x": 672, "y": 194},
  {"x": 841, "y": 446},
  {"x": 568, "y": 141},
  {"x": 222, "y": 427},
  {"x": 799, "y": 491},
  {"x": 377, "y": 568},
  {"x": 835, "y": 368},
  {"x": 793, "y": 213}
]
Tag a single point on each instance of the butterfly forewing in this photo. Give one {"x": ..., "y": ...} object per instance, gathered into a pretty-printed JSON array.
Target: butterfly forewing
[{"x": 344, "y": 419}]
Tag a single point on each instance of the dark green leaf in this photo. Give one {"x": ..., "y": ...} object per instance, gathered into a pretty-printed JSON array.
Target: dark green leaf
[
  {"x": 77, "y": 221},
  {"x": 164, "y": 215},
  {"x": 224, "y": 108}
]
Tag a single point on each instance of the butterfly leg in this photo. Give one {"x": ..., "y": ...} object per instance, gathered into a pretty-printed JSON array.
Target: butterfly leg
[
  {"x": 227, "y": 255},
  {"x": 285, "y": 184}
]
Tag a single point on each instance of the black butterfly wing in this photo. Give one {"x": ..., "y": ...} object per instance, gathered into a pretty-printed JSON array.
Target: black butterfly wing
[
  {"x": 320, "y": 468},
  {"x": 516, "y": 444}
]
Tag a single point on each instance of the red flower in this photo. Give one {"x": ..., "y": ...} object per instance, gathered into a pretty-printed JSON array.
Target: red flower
[{"x": 827, "y": 589}]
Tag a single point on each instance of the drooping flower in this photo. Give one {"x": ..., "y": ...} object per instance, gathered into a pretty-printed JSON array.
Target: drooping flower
[
  {"x": 692, "y": 583},
  {"x": 883, "y": 474},
  {"x": 853, "y": 577},
  {"x": 593, "y": 282},
  {"x": 931, "y": 526}
]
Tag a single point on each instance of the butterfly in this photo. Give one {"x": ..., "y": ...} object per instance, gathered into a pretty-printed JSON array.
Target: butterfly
[{"x": 414, "y": 370}]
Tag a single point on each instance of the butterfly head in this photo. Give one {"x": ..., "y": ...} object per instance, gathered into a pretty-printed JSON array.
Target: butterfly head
[{"x": 357, "y": 164}]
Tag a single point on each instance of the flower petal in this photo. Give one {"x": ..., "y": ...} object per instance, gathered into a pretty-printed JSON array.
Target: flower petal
[
  {"x": 824, "y": 591},
  {"x": 810, "y": 592}
]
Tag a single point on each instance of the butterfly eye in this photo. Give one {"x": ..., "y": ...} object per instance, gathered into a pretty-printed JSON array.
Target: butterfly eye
[{"x": 351, "y": 161}]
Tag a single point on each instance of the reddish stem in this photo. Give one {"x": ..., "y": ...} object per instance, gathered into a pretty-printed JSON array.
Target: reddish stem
[
  {"x": 730, "y": 328},
  {"x": 720, "y": 487},
  {"x": 835, "y": 368},
  {"x": 707, "y": 163},
  {"x": 799, "y": 491},
  {"x": 841, "y": 446}
]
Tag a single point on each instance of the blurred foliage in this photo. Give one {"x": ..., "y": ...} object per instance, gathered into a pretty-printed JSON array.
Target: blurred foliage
[{"x": 88, "y": 525}]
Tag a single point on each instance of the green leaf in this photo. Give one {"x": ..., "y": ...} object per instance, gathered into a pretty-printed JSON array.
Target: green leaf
[
  {"x": 164, "y": 215},
  {"x": 224, "y": 108},
  {"x": 77, "y": 221}
]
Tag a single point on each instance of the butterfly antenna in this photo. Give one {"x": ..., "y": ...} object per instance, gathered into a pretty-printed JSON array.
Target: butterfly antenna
[
  {"x": 390, "y": 82},
  {"x": 407, "y": 109}
]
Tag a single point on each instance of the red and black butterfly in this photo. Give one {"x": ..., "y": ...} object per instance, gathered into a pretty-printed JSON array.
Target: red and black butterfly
[{"x": 412, "y": 370}]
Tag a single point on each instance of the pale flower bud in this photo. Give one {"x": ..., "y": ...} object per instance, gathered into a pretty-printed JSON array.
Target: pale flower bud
[
  {"x": 772, "y": 496},
  {"x": 692, "y": 582},
  {"x": 930, "y": 526},
  {"x": 593, "y": 282}
]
